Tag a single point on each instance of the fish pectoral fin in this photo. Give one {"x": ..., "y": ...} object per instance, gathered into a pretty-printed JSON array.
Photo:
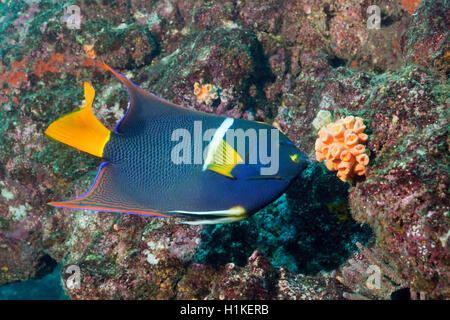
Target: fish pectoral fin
[
  {"x": 211, "y": 217},
  {"x": 221, "y": 158},
  {"x": 106, "y": 195}
]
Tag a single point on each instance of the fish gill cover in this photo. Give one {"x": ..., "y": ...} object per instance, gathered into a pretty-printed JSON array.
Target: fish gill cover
[{"x": 278, "y": 62}]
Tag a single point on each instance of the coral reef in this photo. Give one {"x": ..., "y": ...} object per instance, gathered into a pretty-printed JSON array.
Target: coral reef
[
  {"x": 260, "y": 280},
  {"x": 341, "y": 144},
  {"x": 206, "y": 93},
  {"x": 323, "y": 119},
  {"x": 294, "y": 232},
  {"x": 369, "y": 276},
  {"x": 373, "y": 275},
  {"x": 274, "y": 61}
]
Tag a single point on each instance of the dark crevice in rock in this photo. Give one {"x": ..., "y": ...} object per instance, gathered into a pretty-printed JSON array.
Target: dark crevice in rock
[
  {"x": 45, "y": 265},
  {"x": 401, "y": 294},
  {"x": 261, "y": 76},
  {"x": 336, "y": 62},
  {"x": 330, "y": 14},
  {"x": 386, "y": 21}
]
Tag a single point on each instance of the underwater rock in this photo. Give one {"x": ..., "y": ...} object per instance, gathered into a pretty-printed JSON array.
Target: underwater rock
[
  {"x": 259, "y": 280},
  {"x": 405, "y": 200},
  {"x": 370, "y": 275},
  {"x": 427, "y": 44},
  {"x": 229, "y": 58},
  {"x": 274, "y": 61}
]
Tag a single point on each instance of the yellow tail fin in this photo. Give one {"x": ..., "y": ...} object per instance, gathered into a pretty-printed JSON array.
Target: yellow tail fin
[{"x": 81, "y": 129}]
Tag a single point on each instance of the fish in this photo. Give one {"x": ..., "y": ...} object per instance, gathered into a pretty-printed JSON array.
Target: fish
[{"x": 165, "y": 160}]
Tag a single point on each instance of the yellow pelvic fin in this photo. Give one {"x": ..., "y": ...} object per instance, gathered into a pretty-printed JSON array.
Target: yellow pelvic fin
[
  {"x": 81, "y": 129},
  {"x": 225, "y": 158}
]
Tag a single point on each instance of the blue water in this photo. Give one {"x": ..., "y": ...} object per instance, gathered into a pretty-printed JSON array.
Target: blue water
[{"x": 47, "y": 288}]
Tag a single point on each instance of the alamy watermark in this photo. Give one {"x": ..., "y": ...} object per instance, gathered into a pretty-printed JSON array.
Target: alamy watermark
[
  {"x": 257, "y": 151},
  {"x": 72, "y": 17},
  {"x": 374, "y": 279},
  {"x": 74, "y": 280},
  {"x": 374, "y": 20}
]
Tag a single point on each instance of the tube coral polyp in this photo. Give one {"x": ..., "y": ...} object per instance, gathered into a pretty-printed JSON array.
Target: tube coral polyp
[
  {"x": 322, "y": 119},
  {"x": 341, "y": 145},
  {"x": 205, "y": 93}
]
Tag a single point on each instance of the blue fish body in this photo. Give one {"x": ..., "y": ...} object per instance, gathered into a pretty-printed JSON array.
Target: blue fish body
[{"x": 167, "y": 161}]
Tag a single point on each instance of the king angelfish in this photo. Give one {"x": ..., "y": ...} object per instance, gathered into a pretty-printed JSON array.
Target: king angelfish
[{"x": 163, "y": 160}]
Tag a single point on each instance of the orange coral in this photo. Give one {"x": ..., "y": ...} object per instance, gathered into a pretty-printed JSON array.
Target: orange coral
[
  {"x": 205, "y": 93},
  {"x": 341, "y": 145},
  {"x": 410, "y": 5},
  {"x": 16, "y": 78},
  {"x": 89, "y": 50},
  {"x": 91, "y": 63},
  {"x": 41, "y": 67},
  {"x": 22, "y": 64}
]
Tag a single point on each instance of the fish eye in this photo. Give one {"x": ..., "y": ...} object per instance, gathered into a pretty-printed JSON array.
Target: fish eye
[{"x": 295, "y": 158}]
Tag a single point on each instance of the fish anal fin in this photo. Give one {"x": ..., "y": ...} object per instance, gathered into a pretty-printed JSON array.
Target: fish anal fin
[{"x": 105, "y": 195}]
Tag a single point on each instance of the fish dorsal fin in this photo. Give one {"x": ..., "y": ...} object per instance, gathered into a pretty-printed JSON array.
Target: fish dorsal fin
[
  {"x": 106, "y": 195},
  {"x": 143, "y": 105}
]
